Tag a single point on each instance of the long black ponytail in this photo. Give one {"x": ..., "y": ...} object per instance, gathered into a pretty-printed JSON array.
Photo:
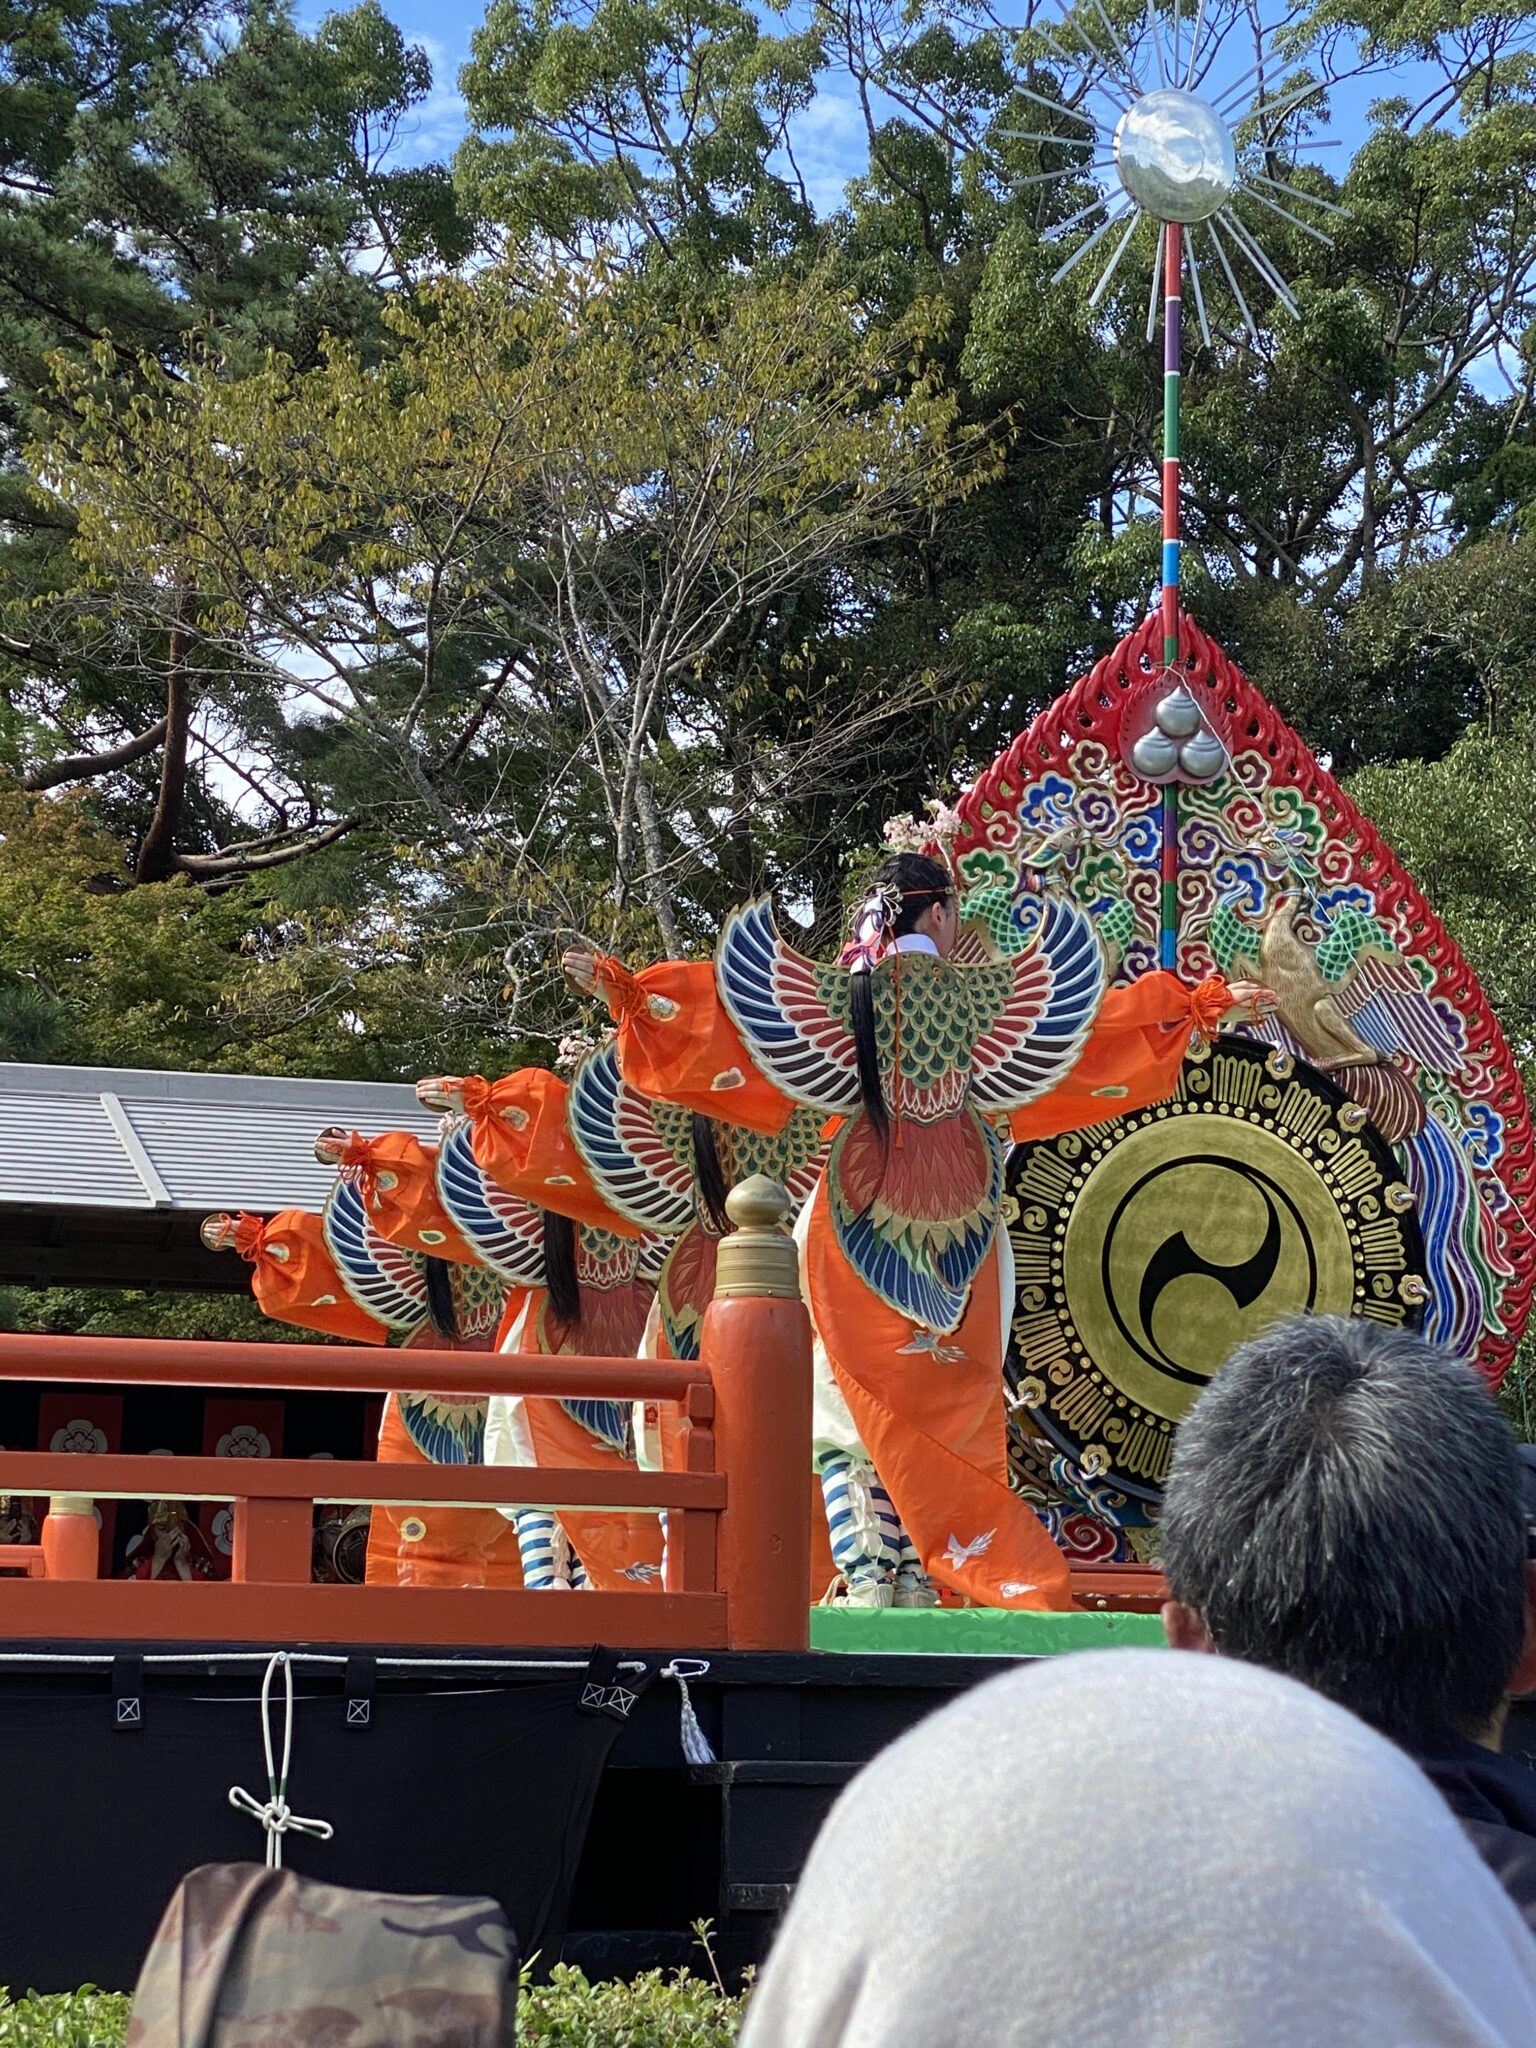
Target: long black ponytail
[
  {"x": 709, "y": 1174},
  {"x": 910, "y": 884},
  {"x": 442, "y": 1312},
  {"x": 861, "y": 1002},
  {"x": 560, "y": 1269}
]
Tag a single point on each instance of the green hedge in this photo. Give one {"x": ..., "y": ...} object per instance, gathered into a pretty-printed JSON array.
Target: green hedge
[
  {"x": 66, "y": 2019},
  {"x": 655, "y": 2011}
]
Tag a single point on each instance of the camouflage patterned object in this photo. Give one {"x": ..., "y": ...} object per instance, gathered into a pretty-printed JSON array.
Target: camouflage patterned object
[{"x": 252, "y": 1958}]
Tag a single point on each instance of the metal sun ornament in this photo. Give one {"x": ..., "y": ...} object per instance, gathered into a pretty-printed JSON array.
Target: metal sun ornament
[{"x": 1173, "y": 152}]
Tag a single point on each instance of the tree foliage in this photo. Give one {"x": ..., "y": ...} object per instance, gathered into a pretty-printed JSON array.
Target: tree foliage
[
  {"x": 552, "y": 536},
  {"x": 405, "y": 568}
]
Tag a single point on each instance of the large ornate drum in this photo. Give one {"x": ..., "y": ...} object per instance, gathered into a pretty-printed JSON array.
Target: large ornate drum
[{"x": 1366, "y": 1148}]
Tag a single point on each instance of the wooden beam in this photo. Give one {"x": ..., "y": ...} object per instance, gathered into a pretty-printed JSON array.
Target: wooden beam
[
  {"x": 338, "y": 1368},
  {"x": 113, "y": 1476},
  {"x": 116, "y": 1610}
]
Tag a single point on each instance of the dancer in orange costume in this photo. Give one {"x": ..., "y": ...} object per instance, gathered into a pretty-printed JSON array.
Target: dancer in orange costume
[
  {"x": 441, "y": 1304},
  {"x": 676, "y": 1040},
  {"x": 337, "y": 1273},
  {"x": 576, "y": 1287},
  {"x": 669, "y": 1169},
  {"x": 902, "y": 1240}
]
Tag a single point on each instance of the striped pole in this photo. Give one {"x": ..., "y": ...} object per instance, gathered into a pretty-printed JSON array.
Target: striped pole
[{"x": 1173, "y": 272}]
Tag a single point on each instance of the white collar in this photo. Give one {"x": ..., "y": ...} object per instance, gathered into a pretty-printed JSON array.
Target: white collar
[{"x": 915, "y": 942}]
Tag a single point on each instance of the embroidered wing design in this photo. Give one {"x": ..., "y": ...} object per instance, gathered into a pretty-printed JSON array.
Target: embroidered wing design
[
  {"x": 507, "y": 1233},
  {"x": 651, "y": 1256},
  {"x": 916, "y": 1221},
  {"x": 1383, "y": 999},
  {"x": 794, "y": 1014},
  {"x": 479, "y": 1296},
  {"x": 604, "y": 1260},
  {"x": 794, "y": 1156},
  {"x": 638, "y": 1152},
  {"x": 611, "y": 1422},
  {"x": 446, "y": 1428},
  {"x": 1030, "y": 1015},
  {"x": 613, "y": 1311},
  {"x": 686, "y": 1288},
  {"x": 381, "y": 1278}
]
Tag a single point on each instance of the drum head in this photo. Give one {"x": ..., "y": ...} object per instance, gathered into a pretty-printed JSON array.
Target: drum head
[{"x": 1146, "y": 1249}]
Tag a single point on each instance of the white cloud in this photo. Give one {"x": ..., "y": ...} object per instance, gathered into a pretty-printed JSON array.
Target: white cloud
[{"x": 830, "y": 144}]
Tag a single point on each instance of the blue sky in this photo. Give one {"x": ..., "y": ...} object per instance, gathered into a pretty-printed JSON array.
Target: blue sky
[{"x": 828, "y": 140}]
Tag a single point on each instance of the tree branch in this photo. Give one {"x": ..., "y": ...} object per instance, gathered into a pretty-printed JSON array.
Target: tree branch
[{"x": 85, "y": 767}]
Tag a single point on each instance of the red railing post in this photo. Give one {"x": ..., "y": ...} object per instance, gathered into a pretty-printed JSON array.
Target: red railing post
[
  {"x": 273, "y": 1541},
  {"x": 71, "y": 1541},
  {"x": 757, "y": 1344}
]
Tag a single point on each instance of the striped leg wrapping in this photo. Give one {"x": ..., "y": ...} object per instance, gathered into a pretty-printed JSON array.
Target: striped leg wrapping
[
  {"x": 544, "y": 1550},
  {"x": 866, "y": 1535}
]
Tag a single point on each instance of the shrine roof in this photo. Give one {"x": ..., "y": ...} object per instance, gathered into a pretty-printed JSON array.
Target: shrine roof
[{"x": 128, "y": 1160}]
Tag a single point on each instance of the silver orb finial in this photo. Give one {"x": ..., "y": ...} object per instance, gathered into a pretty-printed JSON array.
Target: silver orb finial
[
  {"x": 1175, "y": 156},
  {"x": 1172, "y": 143}
]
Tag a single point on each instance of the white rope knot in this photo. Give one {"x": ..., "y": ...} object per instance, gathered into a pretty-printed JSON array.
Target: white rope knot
[{"x": 277, "y": 1817}]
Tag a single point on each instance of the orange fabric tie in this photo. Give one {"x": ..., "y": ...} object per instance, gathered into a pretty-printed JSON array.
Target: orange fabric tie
[
  {"x": 249, "y": 1232},
  {"x": 620, "y": 989},
  {"x": 1209, "y": 1002}
]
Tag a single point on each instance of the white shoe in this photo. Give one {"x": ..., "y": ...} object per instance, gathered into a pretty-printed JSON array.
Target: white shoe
[
  {"x": 915, "y": 1593},
  {"x": 868, "y": 1593}
]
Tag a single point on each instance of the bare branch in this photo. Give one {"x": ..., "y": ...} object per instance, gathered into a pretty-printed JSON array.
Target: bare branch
[{"x": 85, "y": 767}]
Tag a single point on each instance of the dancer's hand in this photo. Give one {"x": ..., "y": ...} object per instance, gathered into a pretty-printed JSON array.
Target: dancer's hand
[{"x": 580, "y": 966}]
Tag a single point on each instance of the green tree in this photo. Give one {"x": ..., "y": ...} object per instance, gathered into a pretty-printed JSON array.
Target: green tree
[
  {"x": 222, "y": 177},
  {"x": 512, "y": 565}
]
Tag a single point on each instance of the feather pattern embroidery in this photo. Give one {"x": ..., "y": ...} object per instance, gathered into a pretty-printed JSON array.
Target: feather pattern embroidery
[
  {"x": 381, "y": 1278},
  {"x": 638, "y": 1152},
  {"x": 447, "y": 1428},
  {"x": 1031, "y": 1015},
  {"x": 506, "y": 1233},
  {"x": 915, "y": 1222},
  {"x": 794, "y": 1014},
  {"x": 917, "y": 1215}
]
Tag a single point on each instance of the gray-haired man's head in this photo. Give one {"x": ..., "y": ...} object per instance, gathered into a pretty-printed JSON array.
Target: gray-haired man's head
[{"x": 1345, "y": 1506}]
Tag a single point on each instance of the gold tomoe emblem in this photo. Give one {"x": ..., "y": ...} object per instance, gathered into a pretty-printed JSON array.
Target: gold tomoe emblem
[{"x": 1146, "y": 1249}]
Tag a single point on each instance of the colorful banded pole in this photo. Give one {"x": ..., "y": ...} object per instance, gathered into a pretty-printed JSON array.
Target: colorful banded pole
[{"x": 1173, "y": 272}]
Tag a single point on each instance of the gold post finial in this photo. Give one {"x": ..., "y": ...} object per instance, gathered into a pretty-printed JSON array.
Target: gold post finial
[{"x": 759, "y": 1256}]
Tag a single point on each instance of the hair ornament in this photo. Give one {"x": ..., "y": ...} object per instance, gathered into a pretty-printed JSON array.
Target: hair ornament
[{"x": 870, "y": 928}]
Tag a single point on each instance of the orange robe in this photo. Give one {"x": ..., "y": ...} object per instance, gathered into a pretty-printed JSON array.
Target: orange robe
[
  {"x": 930, "y": 1413},
  {"x": 621, "y": 1551},
  {"x": 436, "y": 1546}
]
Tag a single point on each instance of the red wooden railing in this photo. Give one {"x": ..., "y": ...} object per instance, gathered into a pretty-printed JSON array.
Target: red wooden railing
[
  {"x": 269, "y": 1598},
  {"x": 738, "y": 1546},
  {"x": 745, "y": 1503},
  {"x": 738, "y": 1538}
]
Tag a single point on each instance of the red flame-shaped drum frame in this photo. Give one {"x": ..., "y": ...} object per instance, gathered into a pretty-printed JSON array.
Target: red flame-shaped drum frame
[{"x": 1067, "y": 766}]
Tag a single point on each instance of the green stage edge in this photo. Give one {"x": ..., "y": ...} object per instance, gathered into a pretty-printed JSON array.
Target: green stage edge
[{"x": 978, "y": 1631}]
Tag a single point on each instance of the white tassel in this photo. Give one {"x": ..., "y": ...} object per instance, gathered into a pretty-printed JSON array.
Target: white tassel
[{"x": 695, "y": 1742}]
